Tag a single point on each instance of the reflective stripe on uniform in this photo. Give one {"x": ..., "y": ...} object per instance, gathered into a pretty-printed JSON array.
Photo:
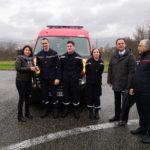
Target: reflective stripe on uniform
[
  {"x": 55, "y": 102},
  {"x": 42, "y": 57},
  {"x": 77, "y": 57},
  {"x": 66, "y": 103},
  {"x": 88, "y": 63},
  {"x": 90, "y": 106},
  {"x": 76, "y": 104},
  {"x": 62, "y": 56},
  {"x": 98, "y": 107}
]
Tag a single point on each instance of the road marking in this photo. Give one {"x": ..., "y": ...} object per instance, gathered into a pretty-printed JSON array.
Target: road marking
[{"x": 61, "y": 134}]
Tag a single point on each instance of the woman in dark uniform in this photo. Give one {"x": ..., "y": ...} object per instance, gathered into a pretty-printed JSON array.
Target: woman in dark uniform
[
  {"x": 94, "y": 70},
  {"x": 24, "y": 68}
]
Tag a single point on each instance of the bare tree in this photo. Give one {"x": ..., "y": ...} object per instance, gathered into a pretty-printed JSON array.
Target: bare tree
[
  {"x": 7, "y": 51},
  {"x": 132, "y": 45},
  {"x": 148, "y": 31},
  {"x": 142, "y": 32}
]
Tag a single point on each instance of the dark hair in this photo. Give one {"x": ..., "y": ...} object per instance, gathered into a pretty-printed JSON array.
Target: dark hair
[
  {"x": 27, "y": 46},
  {"x": 120, "y": 39},
  {"x": 45, "y": 39},
  {"x": 95, "y": 49},
  {"x": 71, "y": 42}
]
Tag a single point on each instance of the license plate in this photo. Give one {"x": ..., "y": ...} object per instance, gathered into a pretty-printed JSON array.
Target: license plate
[{"x": 59, "y": 94}]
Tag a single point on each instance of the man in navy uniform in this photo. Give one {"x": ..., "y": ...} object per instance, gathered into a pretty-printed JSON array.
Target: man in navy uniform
[
  {"x": 50, "y": 75},
  {"x": 71, "y": 66}
]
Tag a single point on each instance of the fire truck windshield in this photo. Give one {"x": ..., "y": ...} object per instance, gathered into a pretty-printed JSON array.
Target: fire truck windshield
[{"x": 82, "y": 45}]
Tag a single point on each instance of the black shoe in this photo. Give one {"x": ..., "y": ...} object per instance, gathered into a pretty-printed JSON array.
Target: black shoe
[
  {"x": 46, "y": 102},
  {"x": 46, "y": 114},
  {"x": 114, "y": 119},
  {"x": 76, "y": 114},
  {"x": 55, "y": 113},
  {"x": 22, "y": 119},
  {"x": 65, "y": 112},
  {"x": 29, "y": 116},
  {"x": 122, "y": 123},
  {"x": 96, "y": 116},
  {"x": 139, "y": 130},
  {"x": 91, "y": 114},
  {"x": 146, "y": 139}
]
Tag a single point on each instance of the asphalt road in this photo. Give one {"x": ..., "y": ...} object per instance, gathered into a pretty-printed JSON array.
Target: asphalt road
[{"x": 63, "y": 134}]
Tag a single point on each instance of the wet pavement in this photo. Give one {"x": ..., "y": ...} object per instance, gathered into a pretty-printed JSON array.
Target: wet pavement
[{"x": 63, "y": 133}]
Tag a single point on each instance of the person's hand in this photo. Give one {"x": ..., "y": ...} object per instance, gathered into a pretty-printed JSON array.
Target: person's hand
[
  {"x": 33, "y": 68},
  {"x": 37, "y": 68},
  {"x": 56, "y": 81},
  {"x": 131, "y": 92}
]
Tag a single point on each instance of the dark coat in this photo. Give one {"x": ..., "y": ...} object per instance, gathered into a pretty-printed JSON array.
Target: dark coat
[
  {"x": 49, "y": 64},
  {"x": 121, "y": 71},
  {"x": 142, "y": 74},
  {"x": 23, "y": 65},
  {"x": 94, "y": 70},
  {"x": 71, "y": 65}
]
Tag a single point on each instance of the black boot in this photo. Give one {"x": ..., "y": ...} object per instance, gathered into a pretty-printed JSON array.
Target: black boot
[
  {"x": 76, "y": 112},
  {"x": 91, "y": 114},
  {"x": 46, "y": 112},
  {"x": 20, "y": 111},
  {"x": 122, "y": 123},
  {"x": 29, "y": 116},
  {"x": 55, "y": 112},
  {"x": 115, "y": 118},
  {"x": 139, "y": 130},
  {"x": 146, "y": 139},
  {"x": 96, "y": 115},
  {"x": 21, "y": 119},
  {"x": 65, "y": 111},
  {"x": 27, "y": 109}
]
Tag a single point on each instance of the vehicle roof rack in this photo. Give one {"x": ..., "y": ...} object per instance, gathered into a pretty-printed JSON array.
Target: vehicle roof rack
[{"x": 62, "y": 26}]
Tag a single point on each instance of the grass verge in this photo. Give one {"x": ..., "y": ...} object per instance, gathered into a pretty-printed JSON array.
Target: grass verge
[{"x": 7, "y": 65}]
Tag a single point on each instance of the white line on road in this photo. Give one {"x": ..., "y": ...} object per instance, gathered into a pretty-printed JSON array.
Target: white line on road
[{"x": 61, "y": 134}]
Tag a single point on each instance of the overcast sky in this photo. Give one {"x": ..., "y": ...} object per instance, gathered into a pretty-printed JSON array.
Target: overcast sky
[{"x": 23, "y": 19}]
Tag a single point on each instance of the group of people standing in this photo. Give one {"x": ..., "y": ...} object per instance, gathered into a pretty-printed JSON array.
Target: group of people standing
[
  {"x": 67, "y": 68},
  {"x": 126, "y": 76}
]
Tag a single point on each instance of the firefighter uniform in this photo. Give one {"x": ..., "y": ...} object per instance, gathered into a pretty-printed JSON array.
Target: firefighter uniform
[
  {"x": 49, "y": 65},
  {"x": 94, "y": 70},
  {"x": 71, "y": 67}
]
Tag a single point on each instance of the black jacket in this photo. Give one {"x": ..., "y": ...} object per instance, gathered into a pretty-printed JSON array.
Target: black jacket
[
  {"x": 94, "y": 70},
  {"x": 49, "y": 64},
  {"x": 142, "y": 74},
  {"x": 23, "y": 65},
  {"x": 71, "y": 65},
  {"x": 121, "y": 71}
]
